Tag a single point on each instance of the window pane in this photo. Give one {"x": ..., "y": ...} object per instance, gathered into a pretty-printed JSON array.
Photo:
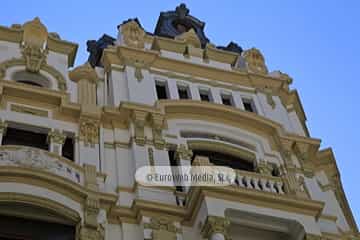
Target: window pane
[
  {"x": 161, "y": 91},
  {"x": 183, "y": 92},
  {"x": 205, "y": 96},
  {"x": 25, "y": 138},
  {"x": 249, "y": 105},
  {"x": 226, "y": 100},
  {"x": 68, "y": 149}
]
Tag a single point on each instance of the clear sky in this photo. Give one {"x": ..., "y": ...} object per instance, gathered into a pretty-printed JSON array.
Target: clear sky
[{"x": 315, "y": 42}]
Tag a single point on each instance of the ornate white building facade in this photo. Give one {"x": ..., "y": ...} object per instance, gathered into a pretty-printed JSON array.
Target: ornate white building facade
[{"x": 72, "y": 140}]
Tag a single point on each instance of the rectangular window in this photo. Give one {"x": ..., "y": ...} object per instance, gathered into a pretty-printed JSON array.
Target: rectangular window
[
  {"x": 249, "y": 105},
  {"x": 227, "y": 99},
  {"x": 68, "y": 148},
  {"x": 161, "y": 90},
  {"x": 174, "y": 163},
  {"x": 205, "y": 95},
  {"x": 28, "y": 138},
  {"x": 184, "y": 92}
]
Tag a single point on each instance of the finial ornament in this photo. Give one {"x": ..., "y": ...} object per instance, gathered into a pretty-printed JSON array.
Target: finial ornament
[
  {"x": 255, "y": 61},
  {"x": 133, "y": 35},
  {"x": 182, "y": 10},
  {"x": 34, "y": 44}
]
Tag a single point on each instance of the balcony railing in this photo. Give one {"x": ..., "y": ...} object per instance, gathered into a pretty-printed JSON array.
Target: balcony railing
[
  {"x": 22, "y": 156},
  {"x": 259, "y": 182}
]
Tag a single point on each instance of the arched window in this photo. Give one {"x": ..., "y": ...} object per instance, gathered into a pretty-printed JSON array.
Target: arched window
[{"x": 30, "y": 78}]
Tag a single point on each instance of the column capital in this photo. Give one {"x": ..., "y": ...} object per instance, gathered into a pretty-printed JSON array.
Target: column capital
[
  {"x": 215, "y": 225},
  {"x": 55, "y": 136},
  {"x": 182, "y": 152},
  {"x": 162, "y": 228}
]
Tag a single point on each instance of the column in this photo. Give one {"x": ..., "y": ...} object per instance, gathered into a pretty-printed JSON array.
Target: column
[
  {"x": 89, "y": 122},
  {"x": 3, "y": 126},
  {"x": 215, "y": 228},
  {"x": 56, "y": 140}
]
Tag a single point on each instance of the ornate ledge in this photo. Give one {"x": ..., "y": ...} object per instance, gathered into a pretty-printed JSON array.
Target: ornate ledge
[{"x": 29, "y": 157}]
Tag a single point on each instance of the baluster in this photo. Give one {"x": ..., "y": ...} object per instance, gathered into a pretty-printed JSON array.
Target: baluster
[
  {"x": 248, "y": 182},
  {"x": 240, "y": 180},
  {"x": 255, "y": 182},
  {"x": 279, "y": 186},
  {"x": 272, "y": 187},
  {"x": 265, "y": 185}
]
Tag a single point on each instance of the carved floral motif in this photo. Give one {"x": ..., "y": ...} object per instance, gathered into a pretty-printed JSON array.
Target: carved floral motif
[{"x": 89, "y": 131}]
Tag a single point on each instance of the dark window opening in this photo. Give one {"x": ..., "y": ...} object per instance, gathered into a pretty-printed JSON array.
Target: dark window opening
[
  {"x": 161, "y": 90},
  {"x": 174, "y": 163},
  {"x": 183, "y": 92},
  {"x": 30, "y": 78},
  {"x": 25, "y": 138},
  {"x": 68, "y": 149},
  {"x": 227, "y": 100},
  {"x": 275, "y": 172},
  {"x": 222, "y": 159},
  {"x": 25, "y": 229},
  {"x": 249, "y": 105},
  {"x": 205, "y": 96},
  {"x": 30, "y": 83}
]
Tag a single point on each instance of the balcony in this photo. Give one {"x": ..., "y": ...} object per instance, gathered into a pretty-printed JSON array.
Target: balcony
[
  {"x": 35, "y": 158},
  {"x": 259, "y": 182}
]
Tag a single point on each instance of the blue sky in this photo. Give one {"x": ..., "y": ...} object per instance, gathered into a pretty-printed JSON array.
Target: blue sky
[{"x": 315, "y": 42}]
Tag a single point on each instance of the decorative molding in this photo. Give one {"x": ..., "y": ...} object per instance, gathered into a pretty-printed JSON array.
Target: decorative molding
[
  {"x": 29, "y": 110},
  {"x": 133, "y": 35},
  {"x": 84, "y": 72},
  {"x": 214, "y": 225},
  {"x": 183, "y": 153},
  {"x": 57, "y": 137},
  {"x": 255, "y": 61},
  {"x": 44, "y": 66},
  {"x": 139, "y": 119},
  {"x": 162, "y": 228},
  {"x": 34, "y": 45},
  {"x": 38, "y": 159},
  {"x": 89, "y": 130},
  {"x": 157, "y": 121},
  {"x": 151, "y": 156}
]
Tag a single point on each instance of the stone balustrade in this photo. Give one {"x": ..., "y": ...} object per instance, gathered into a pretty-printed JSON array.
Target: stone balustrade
[
  {"x": 29, "y": 157},
  {"x": 260, "y": 182}
]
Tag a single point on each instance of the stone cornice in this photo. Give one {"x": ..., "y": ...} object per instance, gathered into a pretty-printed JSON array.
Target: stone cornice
[{"x": 197, "y": 195}]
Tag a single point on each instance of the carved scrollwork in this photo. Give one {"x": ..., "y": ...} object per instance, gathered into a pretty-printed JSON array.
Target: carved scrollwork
[
  {"x": 133, "y": 35},
  {"x": 34, "y": 45},
  {"x": 89, "y": 131},
  {"x": 255, "y": 61}
]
